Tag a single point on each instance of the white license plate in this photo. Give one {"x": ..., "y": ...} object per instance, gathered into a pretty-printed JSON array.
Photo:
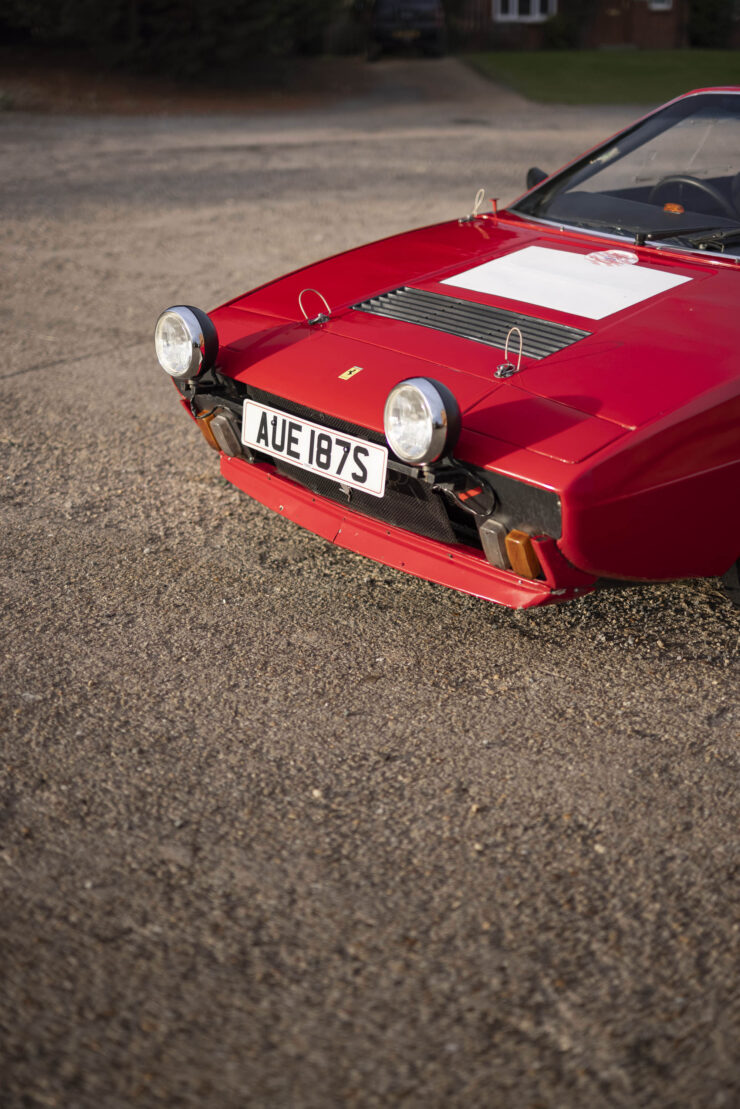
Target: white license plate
[{"x": 343, "y": 458}]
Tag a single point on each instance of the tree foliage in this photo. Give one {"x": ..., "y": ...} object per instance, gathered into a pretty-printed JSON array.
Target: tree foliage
[
  {"x": 710, "y": 22},
  {"x": 182, "y": 37}
]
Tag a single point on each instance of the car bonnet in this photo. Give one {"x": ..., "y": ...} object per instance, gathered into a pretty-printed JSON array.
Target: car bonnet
[{"x": 645, "y": 332}]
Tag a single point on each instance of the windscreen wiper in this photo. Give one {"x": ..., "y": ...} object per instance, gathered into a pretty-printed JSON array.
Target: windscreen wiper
[
  {"x": 717, "y": 237},
  {"x": 641, "y": 237}
]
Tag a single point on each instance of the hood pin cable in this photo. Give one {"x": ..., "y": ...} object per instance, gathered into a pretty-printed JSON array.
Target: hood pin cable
[
  {"x": 507, "y": 368},
  {"x": 479, "y": 198},
  {"x": 321, "y": 318}
]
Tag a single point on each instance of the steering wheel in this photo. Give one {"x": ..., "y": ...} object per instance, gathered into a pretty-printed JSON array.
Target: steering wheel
[{"x": 702, "y": 186}]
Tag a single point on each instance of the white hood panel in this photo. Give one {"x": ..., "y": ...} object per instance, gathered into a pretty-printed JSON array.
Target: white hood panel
[{"x": 591, "y": 285}]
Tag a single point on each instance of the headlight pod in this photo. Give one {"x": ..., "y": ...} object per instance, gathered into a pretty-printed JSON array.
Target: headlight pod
[
  {"x": 186, "y": 342},
  {"x": 421, "y": 420}
]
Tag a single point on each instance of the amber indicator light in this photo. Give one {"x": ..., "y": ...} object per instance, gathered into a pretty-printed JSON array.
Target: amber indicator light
[
  {"x": 522, "y": 555},
  {"x": 204, "y": 423},
  {"x": 674, "y": 209}
]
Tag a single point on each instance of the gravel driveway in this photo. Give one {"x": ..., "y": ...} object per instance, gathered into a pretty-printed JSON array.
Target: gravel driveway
[{"x": 282, "y": 827}]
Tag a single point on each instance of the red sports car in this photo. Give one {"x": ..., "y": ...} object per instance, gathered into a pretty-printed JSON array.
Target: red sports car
[{"x": 514, "y": 404}]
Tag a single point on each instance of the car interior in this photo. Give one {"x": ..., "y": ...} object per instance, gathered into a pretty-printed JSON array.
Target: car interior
[{"x": 678, "y": 171}]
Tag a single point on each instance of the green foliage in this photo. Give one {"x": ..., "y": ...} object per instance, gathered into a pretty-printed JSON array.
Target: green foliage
[
  {"x": 565, "y": 30},
  {"x": 710, "y": 22},
  {"x": 560, "y": 32},
  {"x": 454, "y": 16},
  {"x": 182, "y": 37}
]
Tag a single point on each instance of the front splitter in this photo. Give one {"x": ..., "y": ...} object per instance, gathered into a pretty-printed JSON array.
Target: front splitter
[{"x": 462, "y": 568}]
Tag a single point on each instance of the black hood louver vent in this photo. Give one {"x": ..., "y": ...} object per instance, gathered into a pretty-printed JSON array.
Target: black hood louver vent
[{"x": 482, "y": 323}]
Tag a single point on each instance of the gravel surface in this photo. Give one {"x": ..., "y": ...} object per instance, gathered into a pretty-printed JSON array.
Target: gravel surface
[{"x": 282, "y": 827}]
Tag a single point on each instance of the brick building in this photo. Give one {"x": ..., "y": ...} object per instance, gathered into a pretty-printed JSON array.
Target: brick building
[
  {"x": 649, "y": 24},
  {"x": 520, "y": 24}
]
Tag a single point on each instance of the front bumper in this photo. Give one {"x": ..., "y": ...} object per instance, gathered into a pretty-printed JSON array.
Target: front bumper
[{"x": 458, "y": 567}]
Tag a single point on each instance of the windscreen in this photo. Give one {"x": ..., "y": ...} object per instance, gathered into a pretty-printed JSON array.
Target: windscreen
[{"x": 678, "y": 170}]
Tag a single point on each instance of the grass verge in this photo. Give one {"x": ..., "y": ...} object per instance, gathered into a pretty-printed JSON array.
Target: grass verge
[{"x": 607, "y": 76}]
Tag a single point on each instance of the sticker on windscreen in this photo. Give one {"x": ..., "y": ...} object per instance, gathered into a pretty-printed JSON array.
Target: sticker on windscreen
[{"x": 613, "y": 258}]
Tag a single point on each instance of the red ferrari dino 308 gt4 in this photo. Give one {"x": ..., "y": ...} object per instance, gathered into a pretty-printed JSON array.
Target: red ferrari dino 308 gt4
[{"x": 514, "y": 414}]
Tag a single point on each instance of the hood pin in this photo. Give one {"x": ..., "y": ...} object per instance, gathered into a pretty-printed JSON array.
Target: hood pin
[
  {"x": 321, "y": 318},
  {"x": 479, "y": 198},
  {"x": 507, "y": 368}
]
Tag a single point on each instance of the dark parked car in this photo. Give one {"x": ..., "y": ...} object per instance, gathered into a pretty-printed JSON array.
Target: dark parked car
[{"x": 394, "y": 23}]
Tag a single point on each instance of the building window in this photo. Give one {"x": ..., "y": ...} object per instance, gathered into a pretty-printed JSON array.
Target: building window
[
  {"x": 523, "y": 11},
  {"x": 660, "y": 5}
]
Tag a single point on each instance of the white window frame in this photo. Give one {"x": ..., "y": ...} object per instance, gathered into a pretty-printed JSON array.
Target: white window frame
[{"x": 513, "y": 16}]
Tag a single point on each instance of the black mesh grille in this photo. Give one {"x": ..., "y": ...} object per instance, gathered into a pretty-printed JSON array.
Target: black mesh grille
[
  {"x": 406, "y": 503},
  {"x": 480, "y": 322}
]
